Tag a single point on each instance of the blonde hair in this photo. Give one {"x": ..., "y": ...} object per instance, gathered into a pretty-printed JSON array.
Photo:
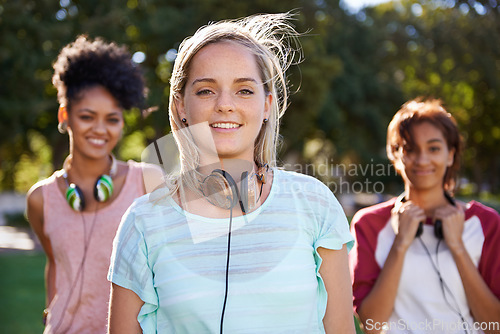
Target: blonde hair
[{"x": 274, "y": 42}]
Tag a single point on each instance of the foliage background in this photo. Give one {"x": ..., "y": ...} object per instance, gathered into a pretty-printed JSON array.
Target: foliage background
[{"x": 358, "y": 69}]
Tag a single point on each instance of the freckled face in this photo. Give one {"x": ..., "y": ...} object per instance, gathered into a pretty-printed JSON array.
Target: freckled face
[
  {"x": 224, "y": 89},
  {"x": 424, "y": 165},
  {"x": 95, "y": 123}
]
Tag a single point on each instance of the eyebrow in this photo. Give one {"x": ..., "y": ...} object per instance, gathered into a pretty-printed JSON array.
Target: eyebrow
[
  {"x": 95, "y": 112},
  {"x": 436, "y": 140},
  {"x": 210, "y": 80}
]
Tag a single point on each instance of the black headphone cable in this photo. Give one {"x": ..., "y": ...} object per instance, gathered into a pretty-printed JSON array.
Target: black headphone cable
[
  {"x": 227, "y": 269},
  {"x": 443, "y": 284},
  {"x": 80, "y": 272}
]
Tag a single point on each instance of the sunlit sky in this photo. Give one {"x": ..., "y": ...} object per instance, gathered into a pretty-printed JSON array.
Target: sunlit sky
[{"x": 355, "y": 5}]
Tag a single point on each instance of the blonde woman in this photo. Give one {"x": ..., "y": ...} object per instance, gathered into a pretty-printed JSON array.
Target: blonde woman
[{"x": 235, "y": 244}]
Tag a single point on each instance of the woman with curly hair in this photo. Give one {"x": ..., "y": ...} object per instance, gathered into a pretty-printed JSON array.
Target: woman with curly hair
[{"x": 76, "y": 211}]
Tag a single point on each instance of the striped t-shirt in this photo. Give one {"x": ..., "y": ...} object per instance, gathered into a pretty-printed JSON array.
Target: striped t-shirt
[{"x": 176, "y": 262}]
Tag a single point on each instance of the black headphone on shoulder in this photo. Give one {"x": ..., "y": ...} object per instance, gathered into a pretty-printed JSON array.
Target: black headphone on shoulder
[
  {"x": 438, "y": 224},
  {"x": 103, "y": 188}
]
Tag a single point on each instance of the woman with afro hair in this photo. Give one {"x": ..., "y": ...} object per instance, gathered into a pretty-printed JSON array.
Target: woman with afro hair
[{"x": 76, "y": 211}]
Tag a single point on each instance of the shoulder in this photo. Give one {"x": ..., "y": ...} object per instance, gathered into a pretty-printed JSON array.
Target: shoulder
[
  {"x": 152, "y": 175},
  {"x": 35, "y": 201},
  {"x": 378, "y": 212},
  {"x": 489, "y": 217},
  {"x": 479, "y": 209},
  {"x": 34, "y": 197},
  {"x": 301, "y": 182},
  {"x": 141, "y": 165},
  {"x": 153, "y": 203}
]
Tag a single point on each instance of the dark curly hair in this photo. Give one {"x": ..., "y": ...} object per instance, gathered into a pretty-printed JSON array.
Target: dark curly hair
[{"x": 85, "y": 63}]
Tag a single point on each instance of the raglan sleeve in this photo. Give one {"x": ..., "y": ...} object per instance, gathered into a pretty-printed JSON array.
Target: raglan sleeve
[
  {"x": 489, "y": 263},
  {"x": 362, "y": 262}
]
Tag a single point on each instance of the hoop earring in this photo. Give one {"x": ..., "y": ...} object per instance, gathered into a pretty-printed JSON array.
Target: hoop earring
[{"x": 62, "y": 127}]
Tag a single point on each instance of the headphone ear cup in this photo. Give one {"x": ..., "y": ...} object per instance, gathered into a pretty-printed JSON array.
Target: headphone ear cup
[
  {"x": 438, "y": 229},
  {"x": 244, "y": 192},
  {"x": 103, "y": 188},
  {"x": 75, "y": 198},
  {"x": 420, "y": 230}
]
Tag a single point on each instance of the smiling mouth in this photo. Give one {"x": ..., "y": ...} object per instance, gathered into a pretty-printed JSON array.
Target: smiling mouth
[
  {"x": 225, "y": 125},
  {"x": 423, "y": 172},
  {"x": 97, "y": 141}
]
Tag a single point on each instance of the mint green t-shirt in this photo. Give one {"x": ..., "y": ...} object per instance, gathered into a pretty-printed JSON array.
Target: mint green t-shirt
[{"x": 176, "y": 262}]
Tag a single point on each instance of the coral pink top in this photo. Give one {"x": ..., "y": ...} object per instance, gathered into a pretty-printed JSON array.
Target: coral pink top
[{"x": 82, "y": 254}]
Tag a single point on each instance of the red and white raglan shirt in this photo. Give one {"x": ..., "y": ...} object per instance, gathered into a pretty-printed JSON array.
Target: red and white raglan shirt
[{"x": 423, "y": 304}]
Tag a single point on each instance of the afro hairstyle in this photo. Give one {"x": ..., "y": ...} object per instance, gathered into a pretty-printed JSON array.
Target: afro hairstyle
[{"x": 85, "y": 63}]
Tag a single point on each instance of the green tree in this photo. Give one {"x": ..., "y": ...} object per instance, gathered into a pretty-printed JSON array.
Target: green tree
[
  {"x": 356, "y": 72},
  {"x": 450, "y": 51}
]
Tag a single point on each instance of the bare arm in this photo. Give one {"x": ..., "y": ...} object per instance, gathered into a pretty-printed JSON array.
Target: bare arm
[
  {"x": 124, "y": 307},
  {"x": 34, "y": 210},
  {"x": 484, "y": 305},
  {"x": 378, "y": 305},
  {"x": 335, "y": 273}
]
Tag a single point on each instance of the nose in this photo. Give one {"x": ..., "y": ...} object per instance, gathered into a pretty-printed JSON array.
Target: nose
[
  {"x": 99, "y": 127},
  {"x": 422, "y": 158},
  {"x": 225, "y": 102}
]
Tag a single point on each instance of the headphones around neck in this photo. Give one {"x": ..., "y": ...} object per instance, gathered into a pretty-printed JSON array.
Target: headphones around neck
[
  {"x": 221, "y": 190},
  {"x": 438, "y": 224},
  {"x": 103, "y": 188}
]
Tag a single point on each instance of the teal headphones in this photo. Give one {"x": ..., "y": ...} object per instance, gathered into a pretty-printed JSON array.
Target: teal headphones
[{"x": 103, "y": 188}]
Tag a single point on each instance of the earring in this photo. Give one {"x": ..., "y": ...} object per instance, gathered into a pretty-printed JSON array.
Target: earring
[
  {"x": 62, "y": 127},
  {"x": 264, "y": 121},
  {"x": 184, "y": 120}
]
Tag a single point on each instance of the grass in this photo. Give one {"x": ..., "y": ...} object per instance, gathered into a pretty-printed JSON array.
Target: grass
[{"x": 22, "y": 293}]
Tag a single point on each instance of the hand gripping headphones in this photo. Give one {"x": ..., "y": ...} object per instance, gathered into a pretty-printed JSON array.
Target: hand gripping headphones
[
  {"x": 103, "y": 188},
  {"x": 438, "y": 224}
]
